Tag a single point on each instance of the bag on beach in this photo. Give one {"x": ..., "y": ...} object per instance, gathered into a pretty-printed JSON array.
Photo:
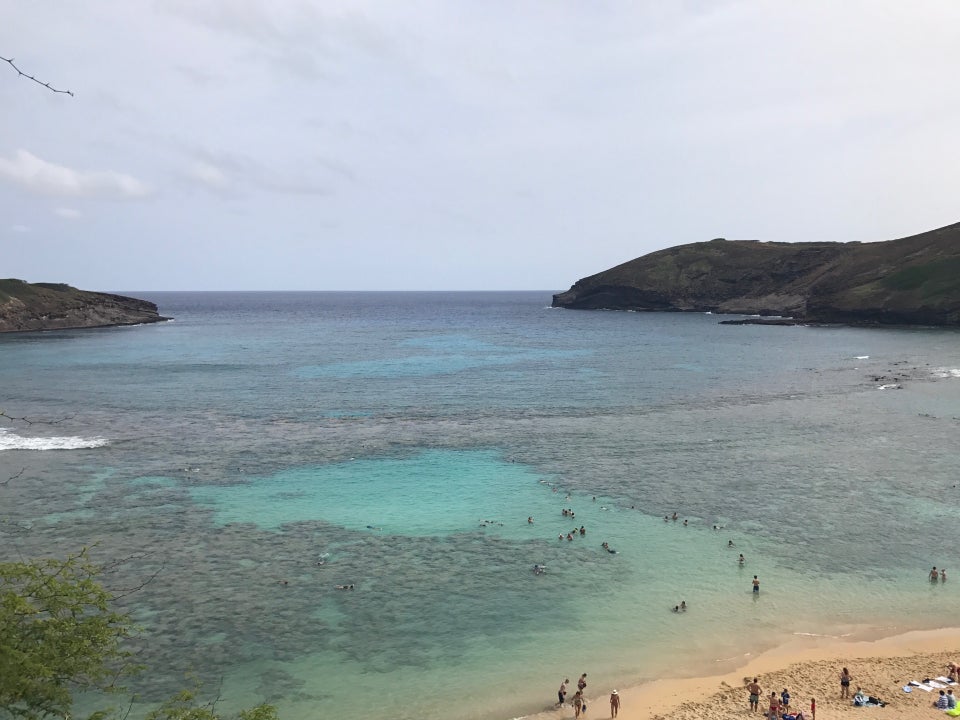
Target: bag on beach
[{"x": 583, "y": 708}]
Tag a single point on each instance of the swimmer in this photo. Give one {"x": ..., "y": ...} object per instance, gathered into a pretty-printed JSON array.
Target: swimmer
[
  {"x": 530, "y": 520},
  {"x": 683, "y": 604},
  {"x": 684, "y": 522},
  {"x": 344, "y": 587},
  {"x": 741, "y": 561},
  {"x": 943, "y": 575},
  {"x": 666, "y": 519},
  {"x": 934, "y": 575},
  {"x": 675, "y": 516},
  {"x": 729, "y": 543},
  {"x": 560, "y": 536},
  {"x": 676, "y": 608},
  {"x": 582, "y": 530}
]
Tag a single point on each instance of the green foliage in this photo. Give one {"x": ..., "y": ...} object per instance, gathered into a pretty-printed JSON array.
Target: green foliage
[
  {"x": 184, "y": 706},
  {"x": 933, "y": 278},
  {"x": 57, "y": 635}
]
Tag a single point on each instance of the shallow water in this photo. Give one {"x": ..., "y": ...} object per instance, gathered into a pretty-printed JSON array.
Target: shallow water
[{"x": 403, "y": 439}]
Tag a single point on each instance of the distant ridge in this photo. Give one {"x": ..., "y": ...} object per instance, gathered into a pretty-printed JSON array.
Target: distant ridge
[
  {"x": 910, "y": 281},
  {"x": 55, "y": 306}
]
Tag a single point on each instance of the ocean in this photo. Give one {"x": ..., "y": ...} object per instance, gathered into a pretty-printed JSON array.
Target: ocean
[{"x": 264, "y": 450}]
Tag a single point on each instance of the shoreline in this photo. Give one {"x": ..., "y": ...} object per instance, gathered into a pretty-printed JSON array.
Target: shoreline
[{"x": 809, "y": 666}]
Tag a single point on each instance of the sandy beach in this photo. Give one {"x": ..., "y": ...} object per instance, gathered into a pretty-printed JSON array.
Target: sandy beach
[{"x": 809, "y": 667}]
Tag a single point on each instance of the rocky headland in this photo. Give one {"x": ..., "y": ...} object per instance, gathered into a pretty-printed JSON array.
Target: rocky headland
[
  {"x": 909, "y": 281},
  {"x": 54, "y": 306}
]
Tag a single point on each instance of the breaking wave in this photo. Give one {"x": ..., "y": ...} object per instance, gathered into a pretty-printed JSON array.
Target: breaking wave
[{"x": 11, "y": 441}]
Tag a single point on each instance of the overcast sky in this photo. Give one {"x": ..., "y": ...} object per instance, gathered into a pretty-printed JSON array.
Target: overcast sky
[{"x": 282, "y": 144}]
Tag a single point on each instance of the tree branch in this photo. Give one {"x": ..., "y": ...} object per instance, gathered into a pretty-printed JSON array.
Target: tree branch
[
  {"x": 27, "y": 420},
  {"x": 48, "y": 86}
]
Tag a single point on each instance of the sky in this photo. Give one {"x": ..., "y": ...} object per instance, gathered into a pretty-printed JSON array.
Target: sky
[{"x": 454, "y": 145}]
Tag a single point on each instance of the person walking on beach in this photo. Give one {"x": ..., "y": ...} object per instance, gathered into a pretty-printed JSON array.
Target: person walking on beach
[
  {"x": 754, "y": 690},
  {"x": 614, "y": 704},
  {"x": 577, "y": 703},
  {"x": 813, "y": 708},
  {"x": 845, "y": 678},
  {"x": 756, "y": 584},
  {"x": 562, "y": 692}
]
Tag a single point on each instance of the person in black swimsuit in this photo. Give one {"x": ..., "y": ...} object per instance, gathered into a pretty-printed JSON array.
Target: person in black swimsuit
[{"x": 845, "y": 678}]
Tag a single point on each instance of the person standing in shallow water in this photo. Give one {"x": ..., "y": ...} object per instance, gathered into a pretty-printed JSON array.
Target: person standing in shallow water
[
  {"x": 562, "y": 692},
  {"x": 577, "y": 703},
  {"x": 614, "y": 703},
  {"x": 756, "y": 584}
]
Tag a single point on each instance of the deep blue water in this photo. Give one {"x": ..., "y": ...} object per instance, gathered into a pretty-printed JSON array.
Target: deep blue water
[{"x": 264, "y": 448}]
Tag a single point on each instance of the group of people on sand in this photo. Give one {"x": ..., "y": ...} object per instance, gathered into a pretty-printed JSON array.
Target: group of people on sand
[
  {"x": 941, "y": 575},
  {"x": 579, "y": 701},
  {"x": 779, "y": 708}
]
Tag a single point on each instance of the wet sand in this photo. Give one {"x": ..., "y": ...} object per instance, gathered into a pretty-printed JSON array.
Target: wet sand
[{"x": 809, "y": 667}]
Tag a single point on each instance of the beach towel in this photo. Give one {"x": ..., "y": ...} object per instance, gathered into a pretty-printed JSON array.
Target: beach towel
[
  {"x": 937, "y": 685},
  {"x": 946, "y": 680},
  {"x": 918, "y": 684}
]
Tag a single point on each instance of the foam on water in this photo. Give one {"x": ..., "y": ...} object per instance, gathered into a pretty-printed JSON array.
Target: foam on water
[{"x": 10, "y": 440}]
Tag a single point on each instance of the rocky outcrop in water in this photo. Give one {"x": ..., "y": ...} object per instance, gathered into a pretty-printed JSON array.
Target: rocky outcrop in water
[
  {"x": 55, "y": 306},
  {"x": 913, "y": 280}
]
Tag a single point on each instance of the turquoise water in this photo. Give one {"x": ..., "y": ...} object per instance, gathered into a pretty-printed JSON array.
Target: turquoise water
[{"x": 264, "y": 448}]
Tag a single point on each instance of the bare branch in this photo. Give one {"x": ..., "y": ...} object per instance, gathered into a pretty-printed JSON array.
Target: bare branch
[
  {"x": 28, "y": 421},
  {"x": 48, "y": 86},
  {"x": 119, "y": 593},
  {"x": 13, "y": 477}
]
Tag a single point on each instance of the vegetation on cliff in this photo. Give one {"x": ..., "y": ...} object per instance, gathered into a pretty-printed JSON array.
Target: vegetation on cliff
[
  {"x": 55, "y": 306},
  {"x": 912, "y": 280}
]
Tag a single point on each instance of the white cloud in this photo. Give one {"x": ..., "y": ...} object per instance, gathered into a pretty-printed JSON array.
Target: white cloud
[
  {"x": 19, "y": 229},
  {"x": 209, "y": 175},
  {"x": 47, "y": 178},
  {"x": 68, "y": 213}
]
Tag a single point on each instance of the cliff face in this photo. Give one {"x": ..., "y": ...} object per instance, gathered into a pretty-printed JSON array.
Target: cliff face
[
  {"x": 913, "y": 280},
  {"x": 48, "y": 306}
]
